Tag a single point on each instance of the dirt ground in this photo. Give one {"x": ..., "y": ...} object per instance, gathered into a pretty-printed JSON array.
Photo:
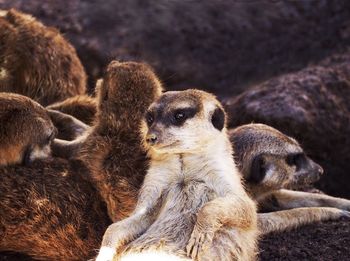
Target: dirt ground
[
  {"x": 221, "y": 46},
  {"x": 322, "y": 242}
]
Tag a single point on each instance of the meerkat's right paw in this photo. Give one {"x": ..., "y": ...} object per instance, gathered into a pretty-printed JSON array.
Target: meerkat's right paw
[{"x": 200, "y": 241}]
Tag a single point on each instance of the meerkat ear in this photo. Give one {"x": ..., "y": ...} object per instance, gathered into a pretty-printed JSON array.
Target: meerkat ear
[
  {"x": 257, "y": 170},
  {"x": 218, "y": 119}
]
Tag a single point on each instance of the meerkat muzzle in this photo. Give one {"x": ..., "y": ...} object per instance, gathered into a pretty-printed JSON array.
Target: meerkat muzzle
[{"x": 151, "y": 138}]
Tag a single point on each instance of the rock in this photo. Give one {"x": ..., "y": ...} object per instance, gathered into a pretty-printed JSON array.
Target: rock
[
  {"x": 322, "y": 241},
  {"x": 221, "y": 47},
  {"x": 311, "y": 105}
]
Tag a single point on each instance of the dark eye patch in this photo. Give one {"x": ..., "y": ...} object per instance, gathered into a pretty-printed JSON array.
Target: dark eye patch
[
  {"x": 179, "y": 116},
  {"x": 257, "y": 170},
  {"x": 149, "y": 118},
  {"x": 296, "y": 159}
]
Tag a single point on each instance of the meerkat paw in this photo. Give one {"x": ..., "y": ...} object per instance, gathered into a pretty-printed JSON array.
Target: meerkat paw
[
  {"x": 346, "y": 213},
  {"x": 199, "y": 242},
  {"x": 106, "y": 254}
]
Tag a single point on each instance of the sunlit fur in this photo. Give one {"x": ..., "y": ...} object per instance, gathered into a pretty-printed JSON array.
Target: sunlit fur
[{"x": 192, "y": 203}]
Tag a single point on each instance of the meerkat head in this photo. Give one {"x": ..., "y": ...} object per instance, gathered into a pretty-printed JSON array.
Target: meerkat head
[
  {"x": 126, "y": 91},
  {"x": 183, "y": 122},
  {"x": 267, "y": 157},
  {"x": 26, "y": 130}
]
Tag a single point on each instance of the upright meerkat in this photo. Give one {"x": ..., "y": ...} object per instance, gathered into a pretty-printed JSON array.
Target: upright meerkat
[
  {"x": 37, "y": 61},
  {"x": 192, "y": 203},
  {"x": 26, "y": 130},
  {"x": 273, "y": 164}
]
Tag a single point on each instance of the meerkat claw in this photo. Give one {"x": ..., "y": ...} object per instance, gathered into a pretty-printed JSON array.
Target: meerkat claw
[{"x": 197, "y": 243}]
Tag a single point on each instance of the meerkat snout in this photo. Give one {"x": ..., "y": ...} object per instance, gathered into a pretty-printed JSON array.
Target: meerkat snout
[{"x": 151, "y": 138}]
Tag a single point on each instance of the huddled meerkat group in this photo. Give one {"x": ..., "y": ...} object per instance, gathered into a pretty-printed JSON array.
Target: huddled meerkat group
[{"x": 161, "y": 165}]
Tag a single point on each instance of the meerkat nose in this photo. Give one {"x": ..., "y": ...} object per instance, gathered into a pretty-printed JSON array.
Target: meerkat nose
[
  {"x": 151, "y": 138},
  {"x": 320, "y": 170}
]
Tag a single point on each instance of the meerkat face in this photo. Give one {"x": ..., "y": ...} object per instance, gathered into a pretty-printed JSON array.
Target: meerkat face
[
  {"x": 26, "y": 130},
  {"x": 183, "y": 122},
  {"x": 266, "y": 157}
]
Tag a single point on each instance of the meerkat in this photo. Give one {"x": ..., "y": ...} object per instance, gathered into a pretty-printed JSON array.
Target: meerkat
[
  {"x": 26, "y": 130},
  {"x": 82, "y": 107},
  {"x": 192, "y": 194},
  {"x": 37, "y": 61},
  {"x": 272, "y": 164},
  {"x": 57, "y": 209}
]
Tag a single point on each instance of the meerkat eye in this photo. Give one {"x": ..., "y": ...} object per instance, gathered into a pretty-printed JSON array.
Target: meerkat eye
[
  {"x": 179, "y": 116},
  {"x": 149, "y": 118},
  {"x": 295, "y": 159}
]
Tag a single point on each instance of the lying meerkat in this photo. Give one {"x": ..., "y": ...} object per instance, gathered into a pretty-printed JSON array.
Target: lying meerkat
[
  {"x": 37, "y": 61},
  {"x": 57, "y": 209},
  {"x": 272, "y": 164},
  {"x": 26, "y": 130},
  {"x": 192, "y": 202}
]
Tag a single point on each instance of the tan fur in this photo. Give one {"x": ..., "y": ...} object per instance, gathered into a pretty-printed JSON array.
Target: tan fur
[
  {"x": 26, "y": 130},
  {"x": 273, "y": 191},
  {"x": 192, "y": 203},
  {"x": 37, "y": 61}
]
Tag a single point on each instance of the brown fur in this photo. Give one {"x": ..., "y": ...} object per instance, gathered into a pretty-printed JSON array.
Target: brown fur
[
  {"x": 273, "y": 164},
  {"x": 26, "y": 130},
  {"x": 120, "y": 110},
  {"x": 37, "y": 61},
  {"x": 82, "y": 107},
  {"x": 49, "y": 211},
  {"x": 53, "y": 209}
]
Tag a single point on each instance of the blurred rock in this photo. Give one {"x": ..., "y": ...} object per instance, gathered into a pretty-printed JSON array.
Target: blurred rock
[
  {"x": 220, "y": 46},
  {"x": 37, "y": 61},
  {"x": 311, "y": 105},
  {"x": 322, "y": 241}
]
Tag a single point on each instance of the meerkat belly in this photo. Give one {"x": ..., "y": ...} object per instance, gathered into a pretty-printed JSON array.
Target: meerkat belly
[{"x": 172, "y": 229}]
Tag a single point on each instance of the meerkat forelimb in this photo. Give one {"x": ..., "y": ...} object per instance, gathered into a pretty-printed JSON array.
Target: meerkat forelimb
[
  {"x": 285, "y": 220},
  {"x": 69, "y": 128},
  {"x": 287, "y": 199},
  {"x": 82, "y": 107}
]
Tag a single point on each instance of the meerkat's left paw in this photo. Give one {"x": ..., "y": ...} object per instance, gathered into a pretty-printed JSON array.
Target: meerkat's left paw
[{"x": 199, "y": 242}]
